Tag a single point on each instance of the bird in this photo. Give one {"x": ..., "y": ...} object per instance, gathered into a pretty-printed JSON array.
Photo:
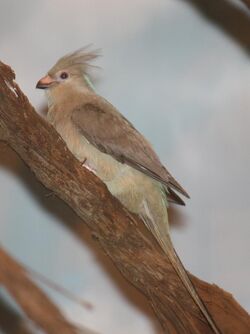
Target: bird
[{"x": 107, "y": 144}]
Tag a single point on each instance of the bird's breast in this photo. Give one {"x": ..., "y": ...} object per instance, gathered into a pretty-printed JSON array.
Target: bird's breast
[
  {"x": 103, "y": 165},
  {"x": 130, "y": 186}
]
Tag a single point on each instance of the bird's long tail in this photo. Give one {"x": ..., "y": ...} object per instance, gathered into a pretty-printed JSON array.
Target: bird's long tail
[
  {"x": 182, "y": 273},
  {"x": 161, "y": 233}
]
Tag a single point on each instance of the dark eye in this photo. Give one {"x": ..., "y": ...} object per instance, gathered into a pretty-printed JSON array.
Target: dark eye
[{"x": 64, "y": 75}]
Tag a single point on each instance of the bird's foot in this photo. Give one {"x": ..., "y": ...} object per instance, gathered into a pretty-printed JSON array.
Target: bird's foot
[
  {"x": 83, "y": 162},
  {"x": 88, "y": 166}
]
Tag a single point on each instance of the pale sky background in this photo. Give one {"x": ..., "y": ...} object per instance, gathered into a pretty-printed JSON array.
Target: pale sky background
[{"x": 184, "y": 83}]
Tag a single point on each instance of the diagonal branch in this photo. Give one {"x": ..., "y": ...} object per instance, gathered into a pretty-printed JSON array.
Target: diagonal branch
[
  {"x": 229, "y": 18},
  {"x": 56, "y": 287},
  {"x": 11, "y": 322},
  {"x": 32, "y": 300},
  {"x": 122, "y": 236},
  {"x": 246, "y": 2}
]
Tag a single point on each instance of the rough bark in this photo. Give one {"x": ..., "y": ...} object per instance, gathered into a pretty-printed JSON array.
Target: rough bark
[
  {"x": 33, "y": 300},
  {"x": 122, "y": 235}
]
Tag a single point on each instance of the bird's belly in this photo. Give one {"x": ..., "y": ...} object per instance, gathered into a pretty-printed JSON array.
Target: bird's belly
[
  {"x": 125, "y": 183},
  {"x": 135, "y": 190},
  {"x": 103, "y": 165},
  {"x": 130, "y": 186}
]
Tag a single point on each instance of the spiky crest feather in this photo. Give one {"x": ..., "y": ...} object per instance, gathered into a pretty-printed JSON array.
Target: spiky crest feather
[{"x": 81, "y": 58}]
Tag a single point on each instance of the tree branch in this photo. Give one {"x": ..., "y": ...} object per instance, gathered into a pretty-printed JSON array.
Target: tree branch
[
  {"x": 231, "y": 20},
  {"x": 246, "y": 2},
  {"x": 122, "y": 235},
  {"x": 11, "y": 322},
  {"x": 32, "y": 300}
]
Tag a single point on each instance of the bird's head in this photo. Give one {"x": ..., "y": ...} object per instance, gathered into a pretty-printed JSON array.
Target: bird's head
[{"x": 70, "y": 70}]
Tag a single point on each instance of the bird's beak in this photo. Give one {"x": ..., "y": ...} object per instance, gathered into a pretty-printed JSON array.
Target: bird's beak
[{"x": 45, "y": 82}]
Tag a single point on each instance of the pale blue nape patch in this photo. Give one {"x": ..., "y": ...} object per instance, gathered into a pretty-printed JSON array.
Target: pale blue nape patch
[{"x": 89, "y": 83}]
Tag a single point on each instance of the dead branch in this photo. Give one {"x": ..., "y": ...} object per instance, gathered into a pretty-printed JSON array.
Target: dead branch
[
  {"x": 229, "y": 18},
  {"x": 56, "y": 287},
  {"x": 32, "y": 300},
  {"x": 246, "y": 2},
  {"x": 122, "y": 236},
  {"x": 11, "y": 322}
]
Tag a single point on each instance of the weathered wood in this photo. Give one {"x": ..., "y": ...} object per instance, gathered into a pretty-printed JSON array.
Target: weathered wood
[{"x": 122, "y": 235}]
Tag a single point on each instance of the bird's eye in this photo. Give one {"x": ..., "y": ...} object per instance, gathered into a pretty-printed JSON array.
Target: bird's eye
[{"x": 64, "y": 75}]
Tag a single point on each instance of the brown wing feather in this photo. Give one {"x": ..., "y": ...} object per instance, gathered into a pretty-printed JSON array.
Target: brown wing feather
[
  {"x": 173, "y": 197},
  {"x": 104, "y": 127}
]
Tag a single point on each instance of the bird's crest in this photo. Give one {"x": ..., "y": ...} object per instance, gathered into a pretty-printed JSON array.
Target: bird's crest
[{"x": 81, "y": 58}]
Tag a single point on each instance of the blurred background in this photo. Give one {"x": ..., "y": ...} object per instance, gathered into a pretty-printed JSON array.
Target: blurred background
[{"x": 179, "y": 70}]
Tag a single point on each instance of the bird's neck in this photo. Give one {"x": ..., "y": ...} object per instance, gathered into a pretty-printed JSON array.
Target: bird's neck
[
  {"x": 89, "y": 83},
  {"x": 62, "y": 94}
]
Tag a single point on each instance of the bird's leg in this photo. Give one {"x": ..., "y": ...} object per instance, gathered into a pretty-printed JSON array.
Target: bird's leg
[
  {"x": 84, "y": 161},
  {"x": 88, "y": 166}
]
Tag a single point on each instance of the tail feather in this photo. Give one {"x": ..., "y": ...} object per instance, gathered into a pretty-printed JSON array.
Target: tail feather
[
  {"x": 161, "y": 233},
  {"x": 183, "y": 275}
]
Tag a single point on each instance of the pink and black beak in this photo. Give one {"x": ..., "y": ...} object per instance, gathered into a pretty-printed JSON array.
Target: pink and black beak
[{"x": 45, "y": 82}]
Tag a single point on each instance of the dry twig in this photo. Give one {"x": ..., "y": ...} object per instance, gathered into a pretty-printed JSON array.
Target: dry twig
[
  {"x": 246, "y": 2},
  {"x": 32, "y": 300}
]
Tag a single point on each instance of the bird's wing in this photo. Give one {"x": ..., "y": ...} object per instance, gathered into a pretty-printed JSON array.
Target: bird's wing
[
  {"x": 173, "y": 197},
  {"x": 105, "y": 128}
]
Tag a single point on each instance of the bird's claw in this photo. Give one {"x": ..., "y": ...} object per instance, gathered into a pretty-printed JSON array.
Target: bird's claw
[{"x": 83, "y": 162}]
